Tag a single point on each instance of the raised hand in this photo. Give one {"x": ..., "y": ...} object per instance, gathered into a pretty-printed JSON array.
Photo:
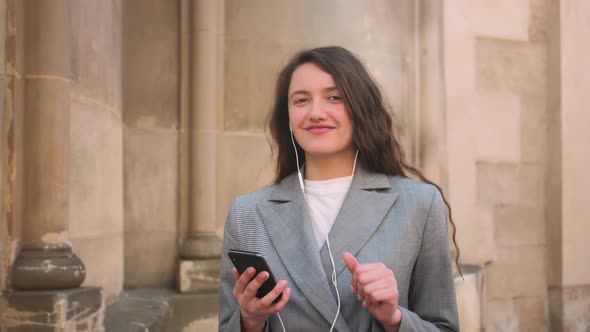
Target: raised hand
[{"x": 376, "y": 288}]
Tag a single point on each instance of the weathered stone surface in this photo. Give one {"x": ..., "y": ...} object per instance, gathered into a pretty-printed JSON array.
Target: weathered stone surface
[
  {"x": 519, "y": 225},
  {"x": 151, "y": 69},
  {"x": 358, "y": 23},
  {"x": 508, "y": 183},
  {"x": 2, "y": 39},
  {"x": 80, "y": 309},
  {"x": 193, "y": 312},
  {"x": 504, "y": 19},
  {"x": 47, "y": 266},
  {"x": 517, "y": 272},
  {"x": 163, "y": 310},
  {"x": 538, "y": 20},
  {"x": 141, "y": 310},
  {"x": 97, "y": 51},
  {"x": 45, "y": 160},
  {"x": 501, "y": 316},
  {"x": 475, "y": 233},
  {"x": 249, "y": 89},
  {"x": 511, "y": 66},
  {"x": 531, "y": 313},
  {"x": 198, "y": 275},
  {"x": 202, "y": 325},
  {"x": 533, "y": 130},
  {"x": 150, "y": 258},
  {"x": 104, "y": 270},
  {"x": 498, "y": 127},
  {"x": 2, "y": 152},
  {"x": 569, "y": 307},
  {"x": 575, "y": 154},
  {"x": 96, "y": 192},
  {"x": 251, "y": 152},
  {"x": 150, "y": 194},
  {"x": 469, "y": 290},
  {"x": 48, "y": 39}
]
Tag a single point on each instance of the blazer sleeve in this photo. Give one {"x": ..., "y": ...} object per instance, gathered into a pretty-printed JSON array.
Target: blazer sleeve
[
  {"x": 229, "y": 311},
  {"x": 432, "y": 301}
]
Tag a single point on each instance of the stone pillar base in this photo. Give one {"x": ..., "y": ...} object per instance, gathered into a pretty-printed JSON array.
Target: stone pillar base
[
  {"x": 569, "y": 308},
  {"x": 198, "y": 275},
  {"x": 72, "y": 310}
]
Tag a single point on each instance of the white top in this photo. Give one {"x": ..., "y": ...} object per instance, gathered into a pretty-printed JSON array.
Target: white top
[{"x": 325, "y": 199}]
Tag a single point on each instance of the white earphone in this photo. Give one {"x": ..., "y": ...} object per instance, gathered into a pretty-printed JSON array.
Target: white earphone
[{"x": 302, "y": 185}]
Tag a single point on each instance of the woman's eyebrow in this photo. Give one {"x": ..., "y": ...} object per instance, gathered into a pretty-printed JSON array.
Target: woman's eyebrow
[{"x": 305, "y": 92}]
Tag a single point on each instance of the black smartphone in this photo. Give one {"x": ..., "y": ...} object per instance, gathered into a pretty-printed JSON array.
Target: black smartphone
[{"x": 243, "y": 259}]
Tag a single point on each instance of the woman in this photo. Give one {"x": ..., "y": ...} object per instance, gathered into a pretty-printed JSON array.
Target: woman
[{"x": 354, "y": 244}]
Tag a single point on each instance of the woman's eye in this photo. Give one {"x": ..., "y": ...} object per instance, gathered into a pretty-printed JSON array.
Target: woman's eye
[
  {"x": 299, "y": 101},
  {"x": 334, "y": 98}
]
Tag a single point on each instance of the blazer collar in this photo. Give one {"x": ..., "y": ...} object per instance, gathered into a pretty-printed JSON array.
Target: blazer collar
[
  {"x": 287, "y": 221},
  {"x": 289, "y": 189}
]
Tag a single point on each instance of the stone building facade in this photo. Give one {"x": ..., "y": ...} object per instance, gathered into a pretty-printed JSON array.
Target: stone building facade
[{"x": 128, "y": 126}]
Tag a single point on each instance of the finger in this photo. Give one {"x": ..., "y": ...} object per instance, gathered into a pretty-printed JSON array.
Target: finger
[
  {"x": 254, "y": 285},
  {"x": 282, "y": 302},
  {"x": 360, "y": 294},
  {"x": 350, "y": 261},
  {"x": 377, "y": 285},
  {"x": 236, "y": 274},
  {"x": 244, "y": 280},
  {"x": 380, "y": 272},
  {"x": 385, "y": 295},
  {"x": 273, "y": 294}
]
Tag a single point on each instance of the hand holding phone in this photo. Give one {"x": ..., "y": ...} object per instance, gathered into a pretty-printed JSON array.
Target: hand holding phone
[{"x": 243, "y": 259}]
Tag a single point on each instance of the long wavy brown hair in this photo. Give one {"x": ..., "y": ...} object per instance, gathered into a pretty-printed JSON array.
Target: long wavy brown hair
[{"x": 374, "y": 132}]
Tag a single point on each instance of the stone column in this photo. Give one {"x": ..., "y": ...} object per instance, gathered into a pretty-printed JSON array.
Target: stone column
[
  {"x": 46, "y": 273},
  {"x": 430, "y": 141},
  {"x": 203, "y": 96},
  {"x": 45, "y": 260}
]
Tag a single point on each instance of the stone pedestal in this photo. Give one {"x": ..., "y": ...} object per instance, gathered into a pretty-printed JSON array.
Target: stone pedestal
[
  {"x": 198, "y": 275},
  {"x": 80, "y": 309},
  {"x": 470, "y": 297},
  {"x": 569, "y": 308}
]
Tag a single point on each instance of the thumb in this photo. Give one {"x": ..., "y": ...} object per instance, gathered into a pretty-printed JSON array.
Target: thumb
[{"x": 350, "y": 261}]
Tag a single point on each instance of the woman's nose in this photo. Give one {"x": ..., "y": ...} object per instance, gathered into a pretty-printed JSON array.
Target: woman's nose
[{"x": 316, "y": 111}]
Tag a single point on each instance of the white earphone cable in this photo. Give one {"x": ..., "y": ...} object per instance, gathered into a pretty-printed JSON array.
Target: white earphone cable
[{"x": 301, "y": 184}]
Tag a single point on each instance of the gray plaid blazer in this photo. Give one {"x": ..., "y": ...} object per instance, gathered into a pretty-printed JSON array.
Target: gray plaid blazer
[{"x": 397, "y": 221}]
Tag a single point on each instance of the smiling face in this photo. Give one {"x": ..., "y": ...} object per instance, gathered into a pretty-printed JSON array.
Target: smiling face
[{"x": 318, "y": 115}]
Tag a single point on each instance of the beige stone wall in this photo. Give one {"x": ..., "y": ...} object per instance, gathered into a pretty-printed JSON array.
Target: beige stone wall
[
  {"x": 567, "y": 209},
  {"x": 12, "y": 114},
  {"x": 260, "y": 35},
  {"x": 575, "y": 121},
  {"x": 150, "y": 114},
  {"x": 96, "y": 144},
  {"x": 496, "y": 67},
  {"x": 3, "y": 224}
]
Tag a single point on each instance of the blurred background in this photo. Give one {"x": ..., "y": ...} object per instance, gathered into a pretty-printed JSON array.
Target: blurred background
[{"x": 129, "y": 126}]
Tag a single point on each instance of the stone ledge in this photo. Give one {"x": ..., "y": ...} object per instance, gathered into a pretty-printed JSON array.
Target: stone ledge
[
  {"x": 198, "y": 275},
  {"x": 140, "y": 310},
  {"x": 75, "y": 310},
  {"x": 195, "y": 312},
  {"x": 163, "y": 310}
]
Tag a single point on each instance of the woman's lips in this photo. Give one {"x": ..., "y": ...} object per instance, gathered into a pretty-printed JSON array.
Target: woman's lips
[{"x": 318, "y": 130}]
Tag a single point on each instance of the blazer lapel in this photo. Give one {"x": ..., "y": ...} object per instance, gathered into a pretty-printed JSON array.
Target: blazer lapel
[
  {"x": 287, "y": 221},
  {"x": 361, "y": 213}
]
